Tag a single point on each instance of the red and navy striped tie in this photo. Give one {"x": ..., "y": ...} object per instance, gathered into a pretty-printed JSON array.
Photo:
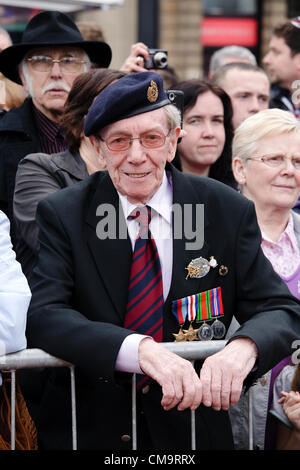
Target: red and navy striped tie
[{"x": 145, "y": 294}]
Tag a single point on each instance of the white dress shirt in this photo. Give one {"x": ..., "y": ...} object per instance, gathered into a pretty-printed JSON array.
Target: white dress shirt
[
  {"x": 161, "y": 229},
  {"x": 15, "y": 295}
]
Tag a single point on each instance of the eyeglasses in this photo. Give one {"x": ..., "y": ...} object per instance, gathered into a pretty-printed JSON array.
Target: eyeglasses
[
  {"x": 43, "y": 63},
  {"x": 278, "y": 161},
  {"x": 150, "y": 140}
]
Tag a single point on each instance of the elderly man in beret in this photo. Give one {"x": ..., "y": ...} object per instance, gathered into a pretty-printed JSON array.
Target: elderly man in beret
[
  {"x": 51, "y": 54},
  {"x": 113, "y": 277}
]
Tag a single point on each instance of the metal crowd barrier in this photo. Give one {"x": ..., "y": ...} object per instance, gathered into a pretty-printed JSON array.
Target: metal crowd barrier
[{"x": 36, "y": 358}]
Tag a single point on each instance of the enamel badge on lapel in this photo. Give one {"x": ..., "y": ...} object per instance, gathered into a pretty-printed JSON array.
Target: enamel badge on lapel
[
  {"x": 223, "y": 270},
  {"x": 199, "y": 267}
]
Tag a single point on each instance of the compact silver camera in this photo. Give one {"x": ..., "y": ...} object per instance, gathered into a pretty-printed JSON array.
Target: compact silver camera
[{"x": 158, "y": 59}]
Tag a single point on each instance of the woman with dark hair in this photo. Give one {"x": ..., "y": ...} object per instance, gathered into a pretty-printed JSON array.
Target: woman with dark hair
[
  {"x": 40, "y": 174},
  {"x": 205, "y": 149}
]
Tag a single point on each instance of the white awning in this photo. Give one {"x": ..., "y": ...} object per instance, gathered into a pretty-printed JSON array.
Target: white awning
[{"x": 64, "y": 6}]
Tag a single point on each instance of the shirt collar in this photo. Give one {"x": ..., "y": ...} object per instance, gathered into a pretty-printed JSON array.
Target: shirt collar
[
  {"x": 161, "y": 201},
  {"x": 46, "y": 126},
  {"x": 288, "y": 232}
]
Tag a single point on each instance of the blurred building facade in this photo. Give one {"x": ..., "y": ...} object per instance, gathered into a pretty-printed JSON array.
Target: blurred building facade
[
  {"x": 185, "y": 27},
  {"x": 190, "y": 30}
]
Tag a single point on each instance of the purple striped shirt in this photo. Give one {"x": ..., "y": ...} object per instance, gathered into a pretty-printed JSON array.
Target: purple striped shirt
[{"x": 51, "y": 137}]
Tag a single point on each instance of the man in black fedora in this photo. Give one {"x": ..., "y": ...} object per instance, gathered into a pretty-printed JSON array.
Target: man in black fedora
[{"x": 51, "y": 54}]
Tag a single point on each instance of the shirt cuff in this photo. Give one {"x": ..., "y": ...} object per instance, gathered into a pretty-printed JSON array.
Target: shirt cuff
[{"x": 127, "y": 359}]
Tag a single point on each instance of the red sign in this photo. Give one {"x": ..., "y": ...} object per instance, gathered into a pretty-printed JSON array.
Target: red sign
[{"x": 228, "y": 31}]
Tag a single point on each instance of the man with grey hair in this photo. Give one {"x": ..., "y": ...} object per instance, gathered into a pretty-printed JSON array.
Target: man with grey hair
[
  {"x": 229, "y": 54},
  {"x": 51, "y": 54}
]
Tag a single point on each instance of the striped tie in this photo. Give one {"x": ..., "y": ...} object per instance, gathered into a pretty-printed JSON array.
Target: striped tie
[{"x": 145, "y": 294}]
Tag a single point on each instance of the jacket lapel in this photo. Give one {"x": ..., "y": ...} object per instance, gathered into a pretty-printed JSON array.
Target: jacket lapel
[
  {"x": 111, "y": 255},
  {"x": 73, "y": 164}
]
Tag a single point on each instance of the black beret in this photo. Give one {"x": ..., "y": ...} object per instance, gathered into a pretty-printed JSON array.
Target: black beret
[{"x": 133, "y": 94}]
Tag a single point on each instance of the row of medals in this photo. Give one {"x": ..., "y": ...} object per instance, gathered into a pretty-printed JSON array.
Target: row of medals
[
  {"x": 205, "y": 332},
  {"x": 197, "y": 268}
]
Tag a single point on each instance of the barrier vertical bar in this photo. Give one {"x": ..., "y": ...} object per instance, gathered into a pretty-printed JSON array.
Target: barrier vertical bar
[
  {"x": 193, "y": 426},
  {"x": 250, "y": 419},
  {"x": 13, "y": 410},
  {"x": 133, "y": 398},
  {"x": 73, "y": 405}
]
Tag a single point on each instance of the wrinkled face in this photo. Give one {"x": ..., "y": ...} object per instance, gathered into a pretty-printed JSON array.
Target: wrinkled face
[
  {"x": 49, "y": 90},
  {"x": 283, "y": 68},
  {"x": 249, "y": 92},
  {"x": 138, "y": 171},
  {"x": 269, "y": 187},
  {"x": 205, "y": 138}
]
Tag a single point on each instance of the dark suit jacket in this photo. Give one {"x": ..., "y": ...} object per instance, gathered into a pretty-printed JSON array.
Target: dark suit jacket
[
  {"x": 18, "y": 138},
  {"x": 79, "y": 291}
]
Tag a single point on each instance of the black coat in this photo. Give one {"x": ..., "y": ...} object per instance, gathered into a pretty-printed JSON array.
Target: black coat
[
  {"x": 18, "y": 138},
  {"x": 79, "y": 289}
]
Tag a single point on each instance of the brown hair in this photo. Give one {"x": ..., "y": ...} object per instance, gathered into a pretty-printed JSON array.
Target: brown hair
[
  {"x": 290, "y": 34},
  {"x": 83, "y": 92},
  {"x": 221, "y": 169}
]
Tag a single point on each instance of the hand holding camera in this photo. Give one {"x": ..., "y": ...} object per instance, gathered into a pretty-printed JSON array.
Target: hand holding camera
[
  {"x": 141, "y": 59},
  {"x": 158, "y": 59}
]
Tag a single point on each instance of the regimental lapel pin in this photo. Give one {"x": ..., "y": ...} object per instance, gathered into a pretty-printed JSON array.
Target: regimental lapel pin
[
  {"x": 223, "y": 270},
  {"x": 199, "y": 267}
]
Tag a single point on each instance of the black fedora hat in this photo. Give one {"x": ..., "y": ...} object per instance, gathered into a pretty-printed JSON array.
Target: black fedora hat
[{"x": 51, "y": 28}]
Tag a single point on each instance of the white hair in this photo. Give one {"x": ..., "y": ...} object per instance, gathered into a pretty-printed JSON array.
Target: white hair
[
  {"x": 265, "y": 123},
  {"x": 239, "y": 52},
  {"x": 173, "y": 115}
]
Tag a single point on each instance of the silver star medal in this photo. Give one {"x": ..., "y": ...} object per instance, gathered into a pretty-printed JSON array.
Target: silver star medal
[{"x": 199, "y": 267}]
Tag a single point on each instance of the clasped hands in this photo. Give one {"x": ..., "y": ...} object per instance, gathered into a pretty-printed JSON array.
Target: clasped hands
[
  {"x": 291, "y": 406},
  {"x": 221, "y": 376}
]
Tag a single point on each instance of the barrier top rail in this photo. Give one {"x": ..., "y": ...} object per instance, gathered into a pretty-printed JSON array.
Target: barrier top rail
[{"x": 31, "y": 358}]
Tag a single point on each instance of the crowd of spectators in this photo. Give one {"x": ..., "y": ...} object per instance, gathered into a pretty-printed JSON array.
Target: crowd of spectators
[{"x": 75, "y": 134}]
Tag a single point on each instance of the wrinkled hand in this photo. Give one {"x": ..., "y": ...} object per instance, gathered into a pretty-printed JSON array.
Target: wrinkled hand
[
  {"x": 135, "y": 61},
  {"x": 291, "y": 406},
  {"x": 180, "y": 384},
  {"x": 223, "y": 373}
]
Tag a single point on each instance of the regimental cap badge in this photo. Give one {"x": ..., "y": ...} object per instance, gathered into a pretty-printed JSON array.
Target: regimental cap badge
[{"x": 152, "y": 92}]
